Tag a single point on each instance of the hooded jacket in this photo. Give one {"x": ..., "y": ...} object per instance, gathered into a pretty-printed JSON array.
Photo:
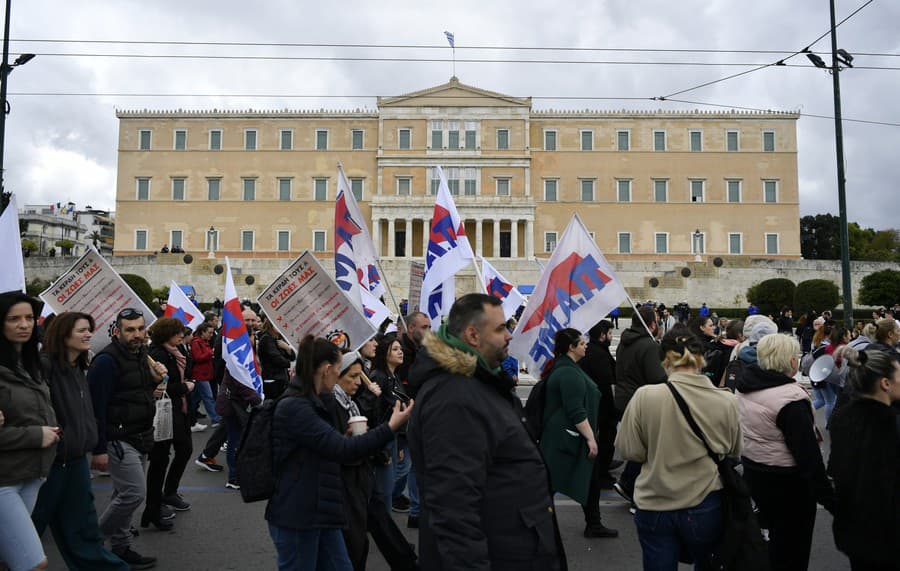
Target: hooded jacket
[
  {"x": 637, "y": 364},
  {"x": 26, "y": 406},
  {"x": 71, "y": 397},
  {"x": 484, "y": 487}
]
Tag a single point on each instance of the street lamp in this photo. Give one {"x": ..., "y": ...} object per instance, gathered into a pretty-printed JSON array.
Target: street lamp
[
  {"x": 698, "y": 236},
  {"x": 211, "y": 246},
  {"x": 5, "y": 69}
]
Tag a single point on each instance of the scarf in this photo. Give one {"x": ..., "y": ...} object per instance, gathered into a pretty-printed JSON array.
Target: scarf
[
  {"x": 457, "y": 343},
  {"x": 181, "y": 363},
  {"x": 345, "y": 401}
]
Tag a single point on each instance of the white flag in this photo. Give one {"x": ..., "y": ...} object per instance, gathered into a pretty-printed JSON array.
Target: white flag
[
  {"x": 12, "y": 278},
  {"x": 237, "y": 350},
  {"x": 577, "y": 289},
  {"x": 448, "y": 252},
  {"x": 182, "y": 308},
  {"x": 501, "y": 288}
]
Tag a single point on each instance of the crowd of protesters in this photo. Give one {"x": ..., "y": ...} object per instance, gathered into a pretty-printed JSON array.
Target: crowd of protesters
[{"x": 443, "y": 439}]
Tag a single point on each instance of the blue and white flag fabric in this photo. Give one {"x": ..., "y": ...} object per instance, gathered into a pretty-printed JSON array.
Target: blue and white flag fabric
[
  {"x": 577, "y": 289},
  {"x": 182, "y": 308},
  {"x": 450, "y": 38},
  {"x": 448, "y": 252},
  {"x": 237, "y": 350},
  {"x": 12, "y": 278},
  {"x": 355, "y": 255},
  {"x": 501, "y": 288}
]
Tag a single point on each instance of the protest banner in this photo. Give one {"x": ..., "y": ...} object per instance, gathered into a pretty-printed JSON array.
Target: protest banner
[
  {"x": 416, "y": 273},
  {"x": 305, "y": 300},
  {"x": 92, "y": 286}
]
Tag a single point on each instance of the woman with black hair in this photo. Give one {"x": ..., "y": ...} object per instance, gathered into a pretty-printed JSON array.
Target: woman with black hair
[
  {"x": 28, "y": 436},
  {"x": 306, "y": 511},
  {"x": 65, "y": 501},
  {"x": 388, "y": 357},
  {"x": 865, "y": 463},
  {"x": 275, "y": 356}
]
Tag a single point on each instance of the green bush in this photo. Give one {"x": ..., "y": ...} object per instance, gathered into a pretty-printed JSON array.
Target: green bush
[
  {"x": 141, "y": 287},
  {"x": 771, "y": 295},
  {"x": 818, "y": 295},
  {"x": 880, "y": 288},
  {"x": 36, "y": 286}
]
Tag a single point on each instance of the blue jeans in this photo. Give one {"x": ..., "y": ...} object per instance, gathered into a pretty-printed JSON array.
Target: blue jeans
[
  {"x": 401, "y": 468},
  {"x": 384, "y": 477},
  {"x": 310, "y": 550},
  {"x": 20, "y": 546},
  {"x": 664, "y": 534},
  {"x": 203, "y": 392},
  {"x": 413, "y": 488},
  {"x": 826, "y": 395}
]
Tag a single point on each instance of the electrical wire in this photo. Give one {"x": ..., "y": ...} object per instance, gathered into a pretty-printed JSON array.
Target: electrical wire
[{"x": 801, "y": 113}]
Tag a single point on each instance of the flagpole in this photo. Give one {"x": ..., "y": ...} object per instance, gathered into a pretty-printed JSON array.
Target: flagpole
[
  {"x": 454, "y": 60},
  {"x": 480, "y": 275},
  {"x": 387, "y": 286},
  {"x": 539, "y": 264},
  {"x": 641, "y": 317}
]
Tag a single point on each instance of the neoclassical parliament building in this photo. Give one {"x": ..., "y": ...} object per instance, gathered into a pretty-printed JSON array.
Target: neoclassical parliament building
[{"x": 651, "y": 185}]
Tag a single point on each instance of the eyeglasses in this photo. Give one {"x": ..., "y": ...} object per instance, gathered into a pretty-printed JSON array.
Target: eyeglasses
[{"x": 129, "y": 313}]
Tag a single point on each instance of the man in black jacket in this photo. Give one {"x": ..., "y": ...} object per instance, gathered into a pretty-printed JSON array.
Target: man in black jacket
[
  {"x": 486, "y": 500},
  {"x": 600, "y": 366}
]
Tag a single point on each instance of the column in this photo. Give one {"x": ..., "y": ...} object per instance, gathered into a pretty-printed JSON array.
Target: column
[
  {"x": 426, "y": 234},
  {"x": 514, "y": 238},
  {"x": 376, "y": 235},
  {"x": 408, "y": 249},
  {"x": 479, "y": 237},
  {"x": 391, "y": 238},
  {"x": 529, "y": 239},
  {"x": 496, "y": 252}
]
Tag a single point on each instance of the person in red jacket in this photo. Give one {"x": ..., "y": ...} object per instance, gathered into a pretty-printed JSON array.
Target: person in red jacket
[{"x": 202, "y": 353}]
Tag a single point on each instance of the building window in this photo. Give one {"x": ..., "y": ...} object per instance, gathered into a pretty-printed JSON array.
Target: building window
[
  {"x": 502, "y": 187},
  {"x": 249, "y": 188},
  {"x": 770, "y": 191},
  {"x": 212, "y": 240},
  {"x": 769, "y": 141},
  {"x": 659, "y": 140},
  {"x": 623, "y": 140},
  {"x": 284, "y": 241},
  {"x": 661, "y": 190},
  {"x": 624, "y": 242},
  {"x": 287, "y": 140},
  {"x": 550, "y": 190},
  {"x": 697, "y": 191},
  {"x": 356, "y": 187},
  {"x": 404, "y": 186},
  {"x": 318, "y": 240},
  {"x": 771, "y": 243},
  {"x": 453, "y": 135},
  {"x": 145, "y": 136},
  {"x": 734, "y": 190},
  {"x": 247, "y": 237},
  {"x": 213, "y": 186},
  {"x": 357, "y": 139},
  {"x": 320, "y": 189},
  {"x": 403, "y": 138},
  {"x": 662, "y": 242},
  {"x": 180, "y": 139},
  {"x": 177, "y": 189},
  {"x": 734, "y": 243},
  {"x": 549, "y": 140},
  {"x": 471, "y": 135},
  {"x": 698, "y": 243},
  {"x": 502, "y": 139},
  {"x": 587, "y": 190},
  {"x": 143, "y": 189},
  {"x": 732, "y": 141},
  {"x": 140, "y": 240},
  {"x": 176, "y": 240},
  {"x": 470, "y": 187},
  {"x": 321, "y": 139},
  {"x": 284, "y": 188},
  {"x": 696, "y": 141},
  {"x": 437, "y": 135},
  {"x": 623, "y": 190},
  {"x": 587, "y": 140},
  {"x": 250, "y": 139},
  {"x": 215, "y": 139},
  {"x": 549, "y": 242}
]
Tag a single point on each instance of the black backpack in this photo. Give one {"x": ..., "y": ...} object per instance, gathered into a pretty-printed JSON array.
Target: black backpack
[
  {"x": 534, "y": 409},
  {"x": 254, "y": 462},
  {"x": 733, "y": 373}
]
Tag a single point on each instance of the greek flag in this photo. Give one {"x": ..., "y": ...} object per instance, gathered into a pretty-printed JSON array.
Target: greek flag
[{"x": 450, "y": 38}]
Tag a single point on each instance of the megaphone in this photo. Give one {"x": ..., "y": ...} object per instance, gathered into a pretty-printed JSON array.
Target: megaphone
[{"x": 824, "y": 370}]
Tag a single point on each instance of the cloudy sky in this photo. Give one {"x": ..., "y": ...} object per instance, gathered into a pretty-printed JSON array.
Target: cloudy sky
[{"x": 63, "y": 147}]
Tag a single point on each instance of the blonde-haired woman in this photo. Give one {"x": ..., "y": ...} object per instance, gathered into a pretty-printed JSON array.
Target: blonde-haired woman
[
  {"x": 678, "y": 490},
  {"x": 782, "y": 460}
]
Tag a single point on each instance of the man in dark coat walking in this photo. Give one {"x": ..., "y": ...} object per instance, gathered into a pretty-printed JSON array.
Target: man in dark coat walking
[
  {"x": 486, "y": 500},
  {"x": 600, "y": 366}
]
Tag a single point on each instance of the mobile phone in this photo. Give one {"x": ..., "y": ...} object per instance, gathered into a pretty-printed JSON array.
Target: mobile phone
[{"x": 400, "y": 396}]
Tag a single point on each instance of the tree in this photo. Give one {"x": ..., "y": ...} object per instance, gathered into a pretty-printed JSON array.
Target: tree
[
  {"x": 95, "y": 237},
  {"x": 880, "y": 288},
  {"x": 65, "y": 246},
  {"x": 36, "y": 286},
  {"x": 29, "y": 245},
  {"x": 818, "y": 295},
  {"x": 820, "y": 237},
  {"x": 771, "y": 295},
  {"x": 141, "y": 287}
]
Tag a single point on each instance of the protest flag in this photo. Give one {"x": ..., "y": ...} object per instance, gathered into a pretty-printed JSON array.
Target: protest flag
[
  {"x": 182, "y": 308},
  {"x": 12, "y": 278},
  {"x": 577, "y": 289},
  {"x": 448, "y": 252},
  {"x": 237, "y": 350},
  {"x": 501, "y": 288}
]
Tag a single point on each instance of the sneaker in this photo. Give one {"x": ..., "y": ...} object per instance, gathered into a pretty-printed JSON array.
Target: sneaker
[
  {"x": 166, "y": 513},
  {"x": 412, "y": 522},
  {"x": 620, "y": 489},
  {"x": 599, "y": 530},
  {"x": 400, "y": 504},
  {"x": 208, "y": 464},
  {"x": 224, "y": 448},
  {"x": 215, "y": 425},
  {"x": 135, "y": 560},
  {"x": 233, "y": 485},
  {"x": 198, "y": 427},
  {"x": 632, "y": 509},
  {"x": 176, "y": 502}
]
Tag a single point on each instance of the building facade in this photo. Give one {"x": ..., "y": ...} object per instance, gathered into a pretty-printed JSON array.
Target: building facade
[
  {"x": 648, "y": 185},
  {"x": 54, "y": 229}
]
